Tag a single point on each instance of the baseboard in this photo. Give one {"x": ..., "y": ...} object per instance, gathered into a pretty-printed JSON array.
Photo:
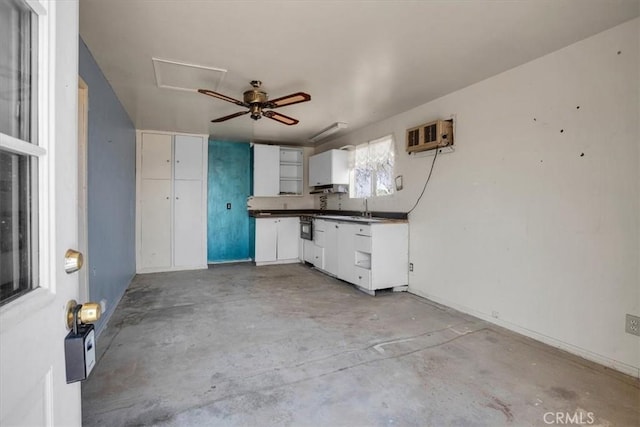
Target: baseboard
[
  {"x": 284, "y": 261},
  {"x": 235, "y": 261},
  {"x": 106, "y": 317},
  {"x": 578, "y": 351},
  {"x": 168, "y": 269}
]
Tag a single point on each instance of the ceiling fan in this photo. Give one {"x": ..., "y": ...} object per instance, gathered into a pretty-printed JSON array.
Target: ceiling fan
[{"x": 257, "y": 100}]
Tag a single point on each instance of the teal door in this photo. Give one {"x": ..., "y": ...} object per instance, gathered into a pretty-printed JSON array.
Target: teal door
[{"x": 229, "y": 185}]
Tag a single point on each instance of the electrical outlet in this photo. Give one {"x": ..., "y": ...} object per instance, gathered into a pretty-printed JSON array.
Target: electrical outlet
[
  {"x": 410, "y": 266},
  {"x": 632, "y": 325}
]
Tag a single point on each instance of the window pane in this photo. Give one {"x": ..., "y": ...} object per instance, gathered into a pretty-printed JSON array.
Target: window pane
[
  {"x": 363, "y": 182},
  {"x": 17, "y": 66},
  {"x": 362, "y": 172},
  {"x": 17, "y": 242},
  {"x": 382, "y": 153},
  {"x": 372, "y": 169},
  {"x": 384, "y": 178}
]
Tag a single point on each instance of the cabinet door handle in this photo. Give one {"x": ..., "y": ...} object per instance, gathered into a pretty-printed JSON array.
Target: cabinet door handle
[
  {"x": 336, "y": 226},
  {"x": 177, "y": 161},
  {"x": 177, "y": 198},
  {"x": 359, "y": 277},
  {"x": 167, "y": 197},
  {"x": 168, "y": 161}
]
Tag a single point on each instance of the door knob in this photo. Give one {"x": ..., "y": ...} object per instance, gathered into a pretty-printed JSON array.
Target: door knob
[{"x": 89, "y": 312}]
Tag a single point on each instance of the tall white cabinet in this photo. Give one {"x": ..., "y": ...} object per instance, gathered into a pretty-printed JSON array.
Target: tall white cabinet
[{"x": 171, "y": 215}]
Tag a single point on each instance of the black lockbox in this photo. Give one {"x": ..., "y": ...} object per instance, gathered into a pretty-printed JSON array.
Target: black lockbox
[{"x": 80, "y": 352}]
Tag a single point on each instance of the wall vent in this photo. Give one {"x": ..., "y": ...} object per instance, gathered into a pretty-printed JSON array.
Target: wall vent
[
  {"x": 429, "y": 136},
  {"x": 187, "y": 77}
]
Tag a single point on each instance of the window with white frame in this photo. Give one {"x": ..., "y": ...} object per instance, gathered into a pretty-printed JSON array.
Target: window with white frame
[
  {"x": 371, "y": 168},
  {"x": 19, "y": 150}
]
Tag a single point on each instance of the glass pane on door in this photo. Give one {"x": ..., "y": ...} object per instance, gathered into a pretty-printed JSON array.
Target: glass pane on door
[
  {"x": 17, "y": 225},
  {"x": 17, "y": 69}
]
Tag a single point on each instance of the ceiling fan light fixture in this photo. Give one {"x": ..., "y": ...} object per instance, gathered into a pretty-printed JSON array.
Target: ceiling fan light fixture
[
  {"x": 257, "y": 100},
  {"x": 325, "y": 133}
]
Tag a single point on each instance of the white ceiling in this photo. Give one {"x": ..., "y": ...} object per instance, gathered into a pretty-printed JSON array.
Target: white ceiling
[{"x": 361, "y": 61}]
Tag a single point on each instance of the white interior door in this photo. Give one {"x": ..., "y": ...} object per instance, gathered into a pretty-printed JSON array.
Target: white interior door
[{"x": 33, "y": 388}]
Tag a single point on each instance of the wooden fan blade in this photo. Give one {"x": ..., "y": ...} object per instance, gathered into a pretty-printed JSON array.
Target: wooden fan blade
[
  {"x": 294, "y": 98},
  {"x": 280, "y": 118},
  {"x": 230, "y": 116},
  {"x": 221, "y": 96}
]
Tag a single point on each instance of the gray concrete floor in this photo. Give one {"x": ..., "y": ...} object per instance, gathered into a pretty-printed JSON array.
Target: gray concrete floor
[{"x": 237, "y": 345}]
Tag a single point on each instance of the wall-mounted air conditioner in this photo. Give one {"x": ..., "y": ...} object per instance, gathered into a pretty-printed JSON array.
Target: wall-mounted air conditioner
[{"x": 429, "y": 136}]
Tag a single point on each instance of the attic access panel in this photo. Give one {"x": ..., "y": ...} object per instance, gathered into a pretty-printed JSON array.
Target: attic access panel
[{"x": 185, "y": 76}]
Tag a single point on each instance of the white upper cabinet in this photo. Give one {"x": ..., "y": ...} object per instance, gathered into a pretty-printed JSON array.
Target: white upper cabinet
[
  {"x": 277, "y": 171},
  {"x": 188, "y": 157},
  {"x": 156, "y": 156},
  {"x": 266, "y": 170},
  {"x": 330, "y": 167},
  {"x": 291, "y": 171}
]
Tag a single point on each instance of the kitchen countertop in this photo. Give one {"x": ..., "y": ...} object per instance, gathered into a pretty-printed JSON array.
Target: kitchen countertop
[
  {"x": 349, "y": 216},
  {"x": 359, "y": 219}
]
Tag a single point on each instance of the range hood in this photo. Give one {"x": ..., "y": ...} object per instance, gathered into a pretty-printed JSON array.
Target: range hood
[{"x": 330, "y": 188}]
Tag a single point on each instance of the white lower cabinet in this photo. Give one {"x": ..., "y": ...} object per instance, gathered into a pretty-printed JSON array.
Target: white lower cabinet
[
  {"x": 277, "y": 240},
  {"x": 155, "y": 230},
  {"x": 188, "y": 223},
  {"x": 331, "y": 255},
  {"x": 371, "y": 256},
  {"x": 309, "y": 251},
  {"x": 346, "y": 251}
]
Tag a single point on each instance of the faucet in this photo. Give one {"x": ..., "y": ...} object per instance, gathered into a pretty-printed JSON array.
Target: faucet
[{"x": 366, "y": 212}]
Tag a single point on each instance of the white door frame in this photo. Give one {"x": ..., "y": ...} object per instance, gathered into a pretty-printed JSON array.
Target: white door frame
[{"x": 83, "y": 220}]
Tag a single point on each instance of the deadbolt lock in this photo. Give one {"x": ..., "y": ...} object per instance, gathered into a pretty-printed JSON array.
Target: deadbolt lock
[
  {"x": 73, "y": 261},
  {"x": 82, "y": 314}
]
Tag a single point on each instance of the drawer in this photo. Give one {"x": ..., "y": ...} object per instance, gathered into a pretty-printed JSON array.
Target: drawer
[
  {"x": 362, "y": 243},
  {"x": 318, "y": 237},
  {"x": 362, "y": 277},
  {"x": 363, "y": 229},
  {"x": 319, "y": 224}
]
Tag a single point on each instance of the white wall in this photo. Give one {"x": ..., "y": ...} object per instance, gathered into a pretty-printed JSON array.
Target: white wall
[{"x": 519, "y": 227}]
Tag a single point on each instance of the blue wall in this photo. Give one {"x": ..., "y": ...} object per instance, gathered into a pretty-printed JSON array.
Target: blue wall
[
  {"x": 111, "y": 189},
  {"x": 229, "y": 230}
]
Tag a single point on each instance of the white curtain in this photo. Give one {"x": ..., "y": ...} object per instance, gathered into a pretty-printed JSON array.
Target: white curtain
[{"x": 372, "y": 168}]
